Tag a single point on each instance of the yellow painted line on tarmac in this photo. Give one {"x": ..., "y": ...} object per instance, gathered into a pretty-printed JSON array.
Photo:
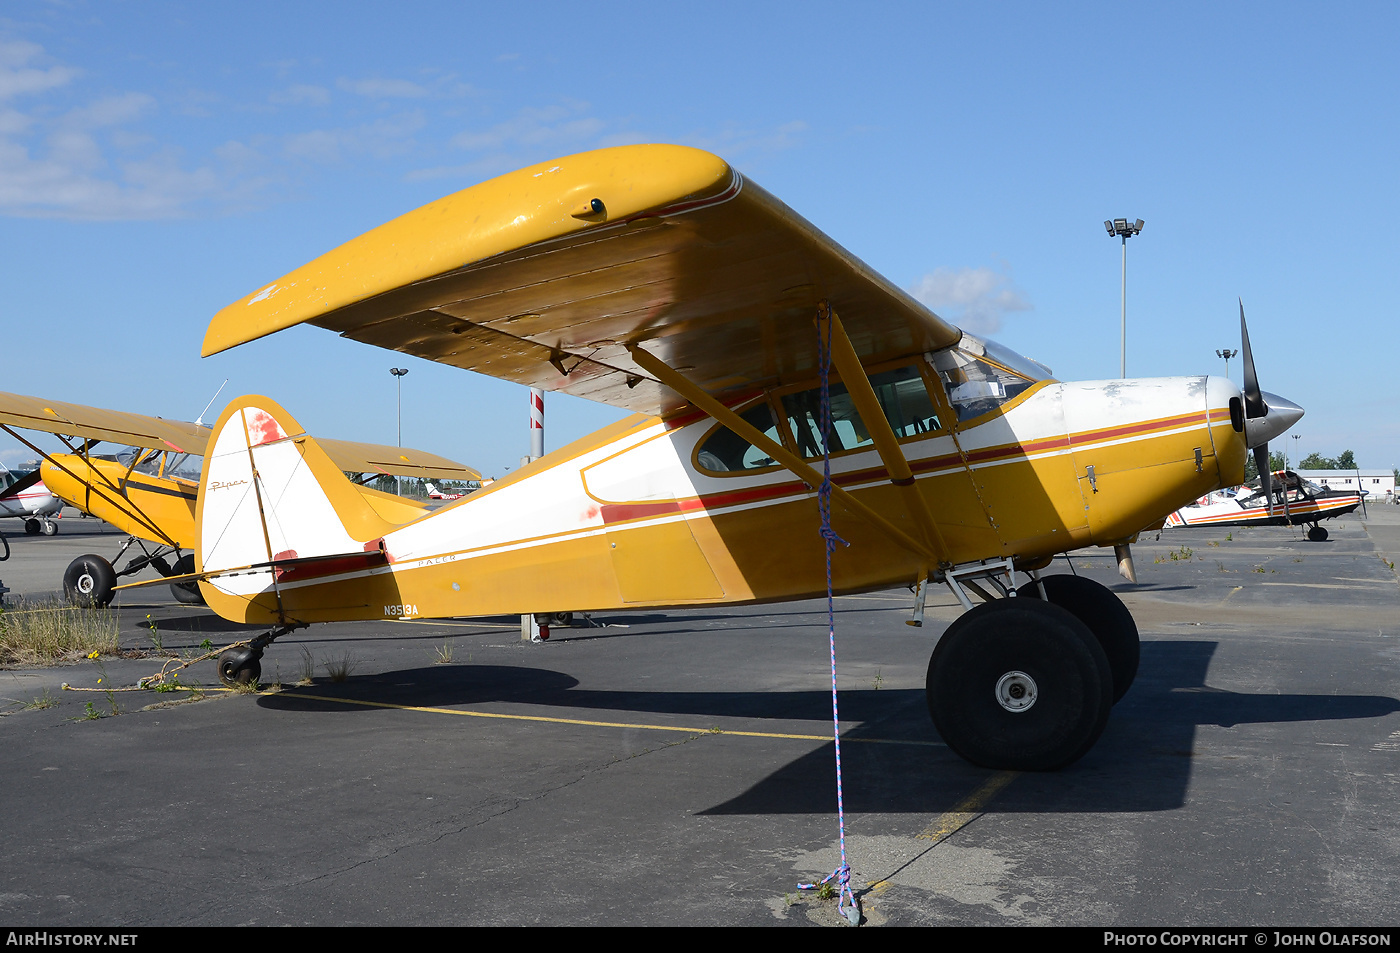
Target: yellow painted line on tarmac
[
  {"x": 691, "y": 730},
  {"x": 1228, "y": 595},
  {"x": 972, "y": 806},
  {"x": 946, "y": 825}
]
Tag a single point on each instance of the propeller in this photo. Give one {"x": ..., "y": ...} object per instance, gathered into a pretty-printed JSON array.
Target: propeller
[{"x": 1266, "y": 415}]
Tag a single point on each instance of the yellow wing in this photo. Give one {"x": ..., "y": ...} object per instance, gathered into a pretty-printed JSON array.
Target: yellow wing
[
  {"x": 157, "y": 433},
  {"x": 544, "y": 276},
  {"x": 93, "y": 423}
]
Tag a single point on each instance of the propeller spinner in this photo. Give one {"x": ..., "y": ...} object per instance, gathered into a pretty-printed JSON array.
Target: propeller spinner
[{"x": 1266, "y": 415}]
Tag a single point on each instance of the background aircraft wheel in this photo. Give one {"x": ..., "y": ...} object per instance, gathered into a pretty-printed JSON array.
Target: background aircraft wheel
[
  {"x": 1019, "y": 684},
  {"x": 89, "y": 581},
  {"x": 31, "y": 527},
  {"x": 559, "y": 618},
  {"x": 239, "y": 667},
  {"x": 1318, "y": 533},
  {"x": 49, "y": 528},
  {"x": 185, "y": 592},
  {"x": 1103, "y": 612}
]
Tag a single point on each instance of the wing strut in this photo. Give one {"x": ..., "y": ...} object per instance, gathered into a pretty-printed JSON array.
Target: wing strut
[
  {"x": 126, "y": 503},
  {"x": 702, "y": 400},
  {"x": 886, "y": 443}
]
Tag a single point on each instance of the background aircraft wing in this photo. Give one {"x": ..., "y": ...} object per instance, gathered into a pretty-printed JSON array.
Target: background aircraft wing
[
  {"x": 544, "y": 275},
  {"x": 398, "y": 461},
  {"x": 94, "y": 423},
  {"x": 157, "y": 433}
]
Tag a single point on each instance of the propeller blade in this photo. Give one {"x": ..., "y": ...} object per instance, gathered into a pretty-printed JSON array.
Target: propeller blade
[
  {"x": 20, "y": 485},
  {"x": 1364, "y": 514},
  {"x": 1266, "y": 476},
  {"x": 1254, "y": 404}
]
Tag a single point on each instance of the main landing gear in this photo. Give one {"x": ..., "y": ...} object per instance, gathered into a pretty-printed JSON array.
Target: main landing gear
[
  {"x": 1317, "y": 533},
  {"x": 91, "y": 579},
  {"x": 33, "y": 527},
  {"x": 1026, "y": 682}
]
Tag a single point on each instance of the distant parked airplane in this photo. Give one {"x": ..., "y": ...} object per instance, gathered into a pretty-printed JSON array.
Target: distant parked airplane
[
  {"x": 23, "y": 495},
  {"x": 1292, "y": 500}
]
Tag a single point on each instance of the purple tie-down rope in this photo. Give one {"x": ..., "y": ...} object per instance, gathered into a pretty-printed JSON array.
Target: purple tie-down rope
[{"x": 841, "y": 874}]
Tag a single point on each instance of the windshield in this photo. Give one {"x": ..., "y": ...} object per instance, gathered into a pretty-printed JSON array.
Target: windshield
[{"x": 981, "y": 375}]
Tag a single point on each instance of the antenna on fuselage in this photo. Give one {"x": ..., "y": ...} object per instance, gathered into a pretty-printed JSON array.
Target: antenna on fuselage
[{"x": 199, "y": 421}]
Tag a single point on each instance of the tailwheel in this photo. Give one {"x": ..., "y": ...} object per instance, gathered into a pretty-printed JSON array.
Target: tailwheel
[
  {"x": 1019, "y": 684},
  {"x": 240, "y": 667},
  {"x": 1317, "y": 533},
  {"x": 1099, "y": 608}
]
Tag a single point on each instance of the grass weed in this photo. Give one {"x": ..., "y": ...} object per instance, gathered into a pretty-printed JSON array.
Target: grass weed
[
  {"x": 44, "y": 632},
  {"x": 444, "y": 652},
  {"x": 339, "y": 668}
]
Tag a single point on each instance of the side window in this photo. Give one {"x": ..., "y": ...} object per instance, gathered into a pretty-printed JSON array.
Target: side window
[
  {"x": 905, "y": 401},
  {"x": 724, "y": 451},
  {"x": 803, "y": 411}
]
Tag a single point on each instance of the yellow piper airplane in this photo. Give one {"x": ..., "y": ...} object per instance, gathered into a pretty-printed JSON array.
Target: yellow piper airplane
[
  {"x": 658, "y": 279},
  {"x": 148, "y": 489}
]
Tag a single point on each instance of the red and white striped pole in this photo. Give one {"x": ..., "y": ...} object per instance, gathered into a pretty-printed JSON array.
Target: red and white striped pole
[
  {"x": 529, "y": 628},
  {"x": 536, "y": 423}
]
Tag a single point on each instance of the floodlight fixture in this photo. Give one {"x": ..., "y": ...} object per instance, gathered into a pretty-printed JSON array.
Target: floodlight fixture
[{"x": 1120, "y": 228}]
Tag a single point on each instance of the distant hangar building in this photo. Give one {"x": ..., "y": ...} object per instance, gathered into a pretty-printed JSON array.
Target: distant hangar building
[{"x": 1378, "y": 484}]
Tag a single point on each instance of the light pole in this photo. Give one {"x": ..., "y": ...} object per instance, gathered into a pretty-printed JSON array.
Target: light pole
[
  {"x": 1226, "y": 353},
  {"x": 1296, "y": 438},
  {"x": 398, "y": 373},
  {"x": 1121, "y": 227}
]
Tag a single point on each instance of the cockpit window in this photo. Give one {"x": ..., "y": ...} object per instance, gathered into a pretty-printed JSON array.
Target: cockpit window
[
  {"x": 979, "y": 376},
  {"x": 162, "y": 463},
  {"x": 724, "y": 451}
]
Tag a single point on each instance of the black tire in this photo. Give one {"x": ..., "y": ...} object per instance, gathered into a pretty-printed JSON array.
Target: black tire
[
  {"x": 89, "y": 581},
  {"x": 31, "y": 527},
  {"x": 1034, "y": 646},
  {"x": 238, "y": 667},
  {"x": 49, "y": 529},
  {"x": 186, "y": 593},
  {"x": 1318, "y": 533},
  {"x": 1103, "y": 612}
]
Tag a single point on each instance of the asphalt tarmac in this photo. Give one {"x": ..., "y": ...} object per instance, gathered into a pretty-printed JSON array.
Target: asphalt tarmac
[{"x": 675, "y": 767}]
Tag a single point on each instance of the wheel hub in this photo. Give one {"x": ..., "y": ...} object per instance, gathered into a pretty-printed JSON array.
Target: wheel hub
[
  {"x": 1016, "y": 691},
  {"x": 86, "y": 584}
]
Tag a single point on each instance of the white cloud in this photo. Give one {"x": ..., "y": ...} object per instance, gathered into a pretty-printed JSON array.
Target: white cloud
[
  {"x": 86, "y": 162},
  {"x": 975, "y": 299},
  {"x": 383, "y": 138},
  {"x": 383, "y": 88},
  {"x": 733, "y": 142},
  {"x": 301, "y": 94},
  {"x": 563, "y": 124},
  {"x": 18, "y": 78}
]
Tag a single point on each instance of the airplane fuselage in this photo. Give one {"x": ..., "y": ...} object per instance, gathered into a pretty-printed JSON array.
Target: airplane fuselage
[{"x": 630, "y": 517}]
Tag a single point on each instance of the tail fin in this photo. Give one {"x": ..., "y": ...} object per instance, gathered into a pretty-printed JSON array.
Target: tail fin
[{"x": 270, "y": 494}]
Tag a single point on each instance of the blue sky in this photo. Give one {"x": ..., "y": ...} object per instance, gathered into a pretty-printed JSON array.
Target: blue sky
[{"x": 160, "y": 160}]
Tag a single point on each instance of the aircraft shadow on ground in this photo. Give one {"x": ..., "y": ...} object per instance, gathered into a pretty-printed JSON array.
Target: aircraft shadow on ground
[{"x": 1142, "y": 762}]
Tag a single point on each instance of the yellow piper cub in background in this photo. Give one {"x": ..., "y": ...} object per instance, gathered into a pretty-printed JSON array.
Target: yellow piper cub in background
[
  {"x": 149, "y": 486},
  {"x": 658, "y": 279}
]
